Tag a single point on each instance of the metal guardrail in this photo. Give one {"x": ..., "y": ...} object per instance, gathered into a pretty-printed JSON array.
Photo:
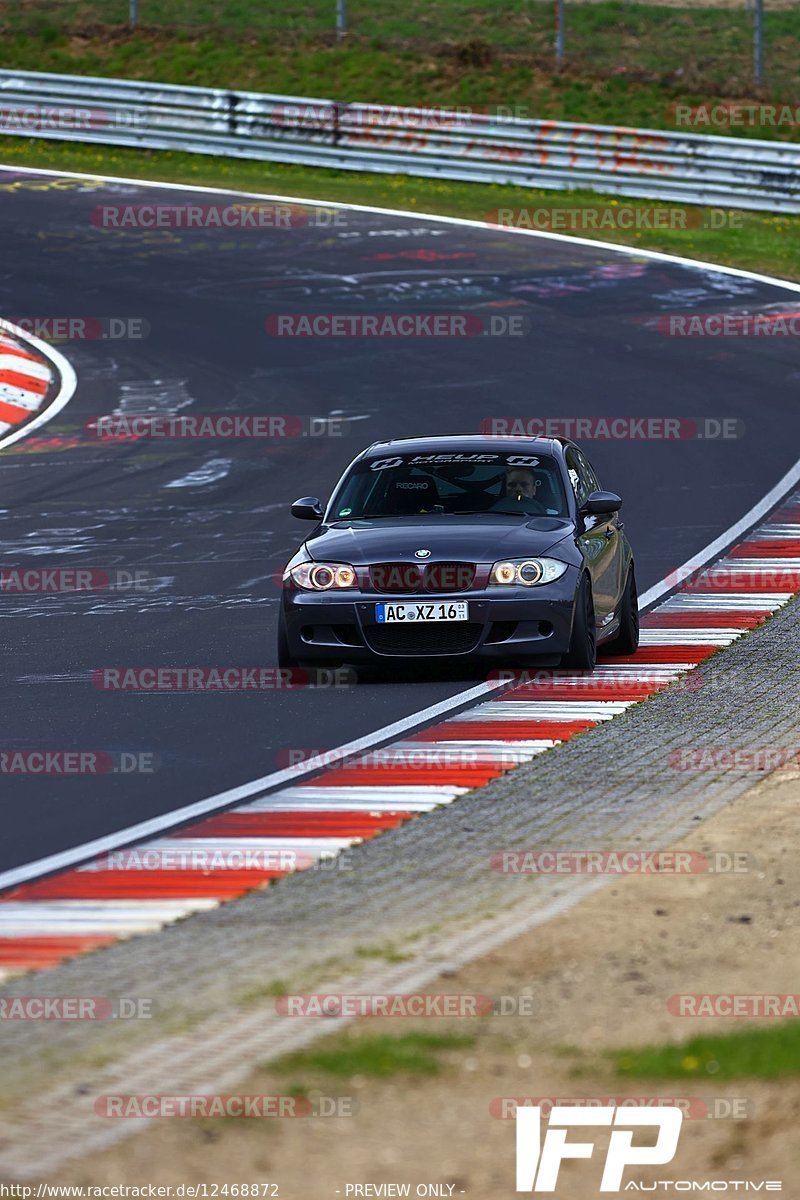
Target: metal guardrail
[{"x": 456, "y": 144}]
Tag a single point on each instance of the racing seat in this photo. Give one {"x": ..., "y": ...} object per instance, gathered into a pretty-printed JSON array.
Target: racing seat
[{"x": 409, "y": 493}]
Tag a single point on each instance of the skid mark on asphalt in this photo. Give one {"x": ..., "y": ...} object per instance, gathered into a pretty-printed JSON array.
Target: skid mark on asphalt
[
  {"x": 169, "y": 556},
  {"x": 211, "y": 472}
]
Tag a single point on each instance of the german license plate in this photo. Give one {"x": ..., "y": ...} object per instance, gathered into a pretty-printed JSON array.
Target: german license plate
[{"x": 408, "y": 614}]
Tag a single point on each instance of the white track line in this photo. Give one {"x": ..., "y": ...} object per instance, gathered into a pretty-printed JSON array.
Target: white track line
[
  {"x": 766, "y": 602},
  {"x": 88, "y": 918},
  {"x": 403, "y": 798},
  {"x": 226, "y": 799},
  {"x": 174, "y": 851},
  {"x": 156, "y": 825}
]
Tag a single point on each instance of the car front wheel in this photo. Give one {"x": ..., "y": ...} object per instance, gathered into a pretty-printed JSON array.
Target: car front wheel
[
  {"x": 582, "y": 655},
  {"x": 627, "y": 639}
]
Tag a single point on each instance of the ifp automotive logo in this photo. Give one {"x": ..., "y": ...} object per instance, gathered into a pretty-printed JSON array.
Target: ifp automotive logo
[{"x": 538, "y": 1162}]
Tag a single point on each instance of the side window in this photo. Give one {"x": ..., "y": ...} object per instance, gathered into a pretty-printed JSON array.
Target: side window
[
  {"x": 580, "y": 477},
  {"x": 586, "y": 469}
]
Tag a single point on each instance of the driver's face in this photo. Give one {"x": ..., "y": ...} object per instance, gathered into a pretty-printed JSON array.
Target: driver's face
[{"x": 520, "y": 482}]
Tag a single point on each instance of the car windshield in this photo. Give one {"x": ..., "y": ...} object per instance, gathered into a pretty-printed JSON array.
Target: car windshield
[{"x": 451, "y": 483}]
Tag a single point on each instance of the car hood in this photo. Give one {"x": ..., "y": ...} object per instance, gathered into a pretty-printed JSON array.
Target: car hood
[{"x": 484, "y": 539}]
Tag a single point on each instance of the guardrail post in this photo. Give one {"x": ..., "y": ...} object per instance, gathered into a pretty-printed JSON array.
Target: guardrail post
[
  {"x": 341, "y": 18},
  {"x": 233, "y": 102},
  {"x": 559, "y": 32},
  {"x": 133, "y": 13},
  {"x": 758, "y": 42}
]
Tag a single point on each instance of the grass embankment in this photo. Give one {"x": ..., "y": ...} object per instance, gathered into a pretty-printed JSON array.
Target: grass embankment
[
  {"x": 627, "y": 63},
  {"x": 763, "y": 1052}
]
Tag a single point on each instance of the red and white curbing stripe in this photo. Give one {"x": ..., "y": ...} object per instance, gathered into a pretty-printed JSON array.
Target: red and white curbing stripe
[
  {"x": 24, "y": 383},
  {"x": 35, "y": 383},
  {"x": 45, "y": 921}
]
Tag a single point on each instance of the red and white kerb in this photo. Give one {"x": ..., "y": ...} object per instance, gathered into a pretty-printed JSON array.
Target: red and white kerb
[{"x": 26, "y": 380}]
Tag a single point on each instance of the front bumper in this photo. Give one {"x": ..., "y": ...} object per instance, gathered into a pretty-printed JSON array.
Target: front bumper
[{"x": 503, "y": 625}]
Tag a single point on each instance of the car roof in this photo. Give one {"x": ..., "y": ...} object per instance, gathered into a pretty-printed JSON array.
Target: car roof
[{"x": 472, "y": 443}]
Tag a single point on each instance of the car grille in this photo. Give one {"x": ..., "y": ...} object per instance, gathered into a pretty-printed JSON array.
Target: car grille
[
  {"x": 402, "y": 578},
  {"x": 440, "y": 637}
]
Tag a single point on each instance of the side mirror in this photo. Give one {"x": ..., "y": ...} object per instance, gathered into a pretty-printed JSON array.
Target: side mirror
[
  {"x": 600, "y": 504},
  {"x": 307, "y": 509}
]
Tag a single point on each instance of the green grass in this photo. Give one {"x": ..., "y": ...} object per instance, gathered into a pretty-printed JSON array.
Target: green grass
[
  {"x": 763, "y": 243},
  {"x": 377, "y": 1056},
  {"x": 389, "y": 953},
  {"x": 626, "y": 63},
  {"x": 268, "y": 991},
  {"x": 766, "y": 1052}
]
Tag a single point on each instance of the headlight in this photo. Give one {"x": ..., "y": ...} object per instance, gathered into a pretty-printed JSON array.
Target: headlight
[
  {"x": 527, "y": 571},
  {"x": 323, "y": 577}
]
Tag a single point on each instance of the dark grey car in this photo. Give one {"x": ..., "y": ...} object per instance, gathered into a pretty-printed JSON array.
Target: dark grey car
[{"x": 462, "y": 547}]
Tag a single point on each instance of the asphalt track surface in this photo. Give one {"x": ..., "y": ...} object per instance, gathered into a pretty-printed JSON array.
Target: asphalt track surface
[{"x": 208, "y": 520}]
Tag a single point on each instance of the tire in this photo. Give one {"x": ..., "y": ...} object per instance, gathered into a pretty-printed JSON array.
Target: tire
[
  {"x": 627, "y": 639},
  {"x": 582, "y": 654}
]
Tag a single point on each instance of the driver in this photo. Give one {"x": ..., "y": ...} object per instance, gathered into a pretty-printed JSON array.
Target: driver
[
  {"x": 519, "y": 492},
  {"x": 521, "y": 483}
]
